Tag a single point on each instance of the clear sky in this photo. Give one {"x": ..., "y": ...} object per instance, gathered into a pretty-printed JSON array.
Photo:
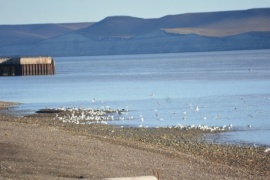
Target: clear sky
[{"x": 63, "y": 11}]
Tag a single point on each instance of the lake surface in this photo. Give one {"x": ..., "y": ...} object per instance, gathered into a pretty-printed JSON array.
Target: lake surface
[{"x": 210, "y": 88}]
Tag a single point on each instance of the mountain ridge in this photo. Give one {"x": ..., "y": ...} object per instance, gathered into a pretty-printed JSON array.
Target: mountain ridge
[{"x": 190, "y": 32}]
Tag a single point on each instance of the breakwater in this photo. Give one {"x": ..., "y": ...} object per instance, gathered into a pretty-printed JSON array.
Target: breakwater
[{"x": 23, "y": 66}]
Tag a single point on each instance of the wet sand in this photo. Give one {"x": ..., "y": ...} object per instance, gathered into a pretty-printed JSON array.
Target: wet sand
[{"x": 39, "y": 147}]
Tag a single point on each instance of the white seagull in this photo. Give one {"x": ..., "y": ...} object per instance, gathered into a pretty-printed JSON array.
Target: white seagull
[{"x": 267, "y": 150}]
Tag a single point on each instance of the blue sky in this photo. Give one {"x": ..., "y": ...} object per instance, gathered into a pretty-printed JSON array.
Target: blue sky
[{"x": 63, "y": 11}]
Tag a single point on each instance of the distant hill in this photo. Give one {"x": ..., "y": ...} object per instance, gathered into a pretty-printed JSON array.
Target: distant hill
[
  {"x": 228, "y": 23},
  {"x": 23, "y": 34},
  {"x": 213, "y": 31}
]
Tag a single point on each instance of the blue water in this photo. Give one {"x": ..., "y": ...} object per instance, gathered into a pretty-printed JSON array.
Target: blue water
[{"x": 229, "y": 88}]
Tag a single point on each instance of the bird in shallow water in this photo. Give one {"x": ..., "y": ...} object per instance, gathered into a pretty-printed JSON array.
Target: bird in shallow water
[{"x": 141, "y": 118}]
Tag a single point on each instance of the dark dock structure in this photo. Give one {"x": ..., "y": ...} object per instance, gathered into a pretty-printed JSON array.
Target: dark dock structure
[{"x": 26, "y": 66}]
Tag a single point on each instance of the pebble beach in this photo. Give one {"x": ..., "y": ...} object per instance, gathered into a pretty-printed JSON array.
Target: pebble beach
[{"x": 44, "y": 146}]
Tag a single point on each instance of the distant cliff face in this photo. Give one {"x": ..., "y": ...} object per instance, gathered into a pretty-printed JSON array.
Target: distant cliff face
[{"x": 215, "y": 31}]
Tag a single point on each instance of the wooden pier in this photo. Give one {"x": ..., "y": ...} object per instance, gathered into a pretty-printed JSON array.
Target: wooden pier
[{"x": 27, "y": 66}]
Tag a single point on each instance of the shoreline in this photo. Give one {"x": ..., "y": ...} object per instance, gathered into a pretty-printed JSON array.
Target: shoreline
[
  {"x": 6, "y": 105},
  {"x": 163, "y": 145},
  {"x": 121, "y": 119}
]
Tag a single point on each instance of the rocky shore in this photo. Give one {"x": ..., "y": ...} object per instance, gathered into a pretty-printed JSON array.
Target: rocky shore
[{"x": 41, "y": 146}]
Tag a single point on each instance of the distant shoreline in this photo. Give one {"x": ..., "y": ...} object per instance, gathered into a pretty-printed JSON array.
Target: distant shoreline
[
  {"x": 6, "y": 105},
  {"x": 195, "y": 32}
]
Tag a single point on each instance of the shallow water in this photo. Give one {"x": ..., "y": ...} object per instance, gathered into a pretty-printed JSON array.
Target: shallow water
[{"x": 212, "y": 88}]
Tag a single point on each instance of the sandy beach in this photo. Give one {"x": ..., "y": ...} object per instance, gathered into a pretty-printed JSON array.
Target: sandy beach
[{"x": 39, "y": 147}]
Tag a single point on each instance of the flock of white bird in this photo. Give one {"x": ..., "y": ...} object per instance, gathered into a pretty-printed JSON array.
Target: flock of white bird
[
  {"x": 205, "y": 127},
  {"x": 89, "y": 115},
  {"x": 105, "y": 114}
]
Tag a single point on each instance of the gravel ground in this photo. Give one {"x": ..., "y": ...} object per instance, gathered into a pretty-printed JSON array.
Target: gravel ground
[{"x": 39, "y": 147}]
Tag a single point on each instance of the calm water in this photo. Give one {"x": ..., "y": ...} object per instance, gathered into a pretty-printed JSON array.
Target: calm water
[{"x": 229, "y": 88}]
